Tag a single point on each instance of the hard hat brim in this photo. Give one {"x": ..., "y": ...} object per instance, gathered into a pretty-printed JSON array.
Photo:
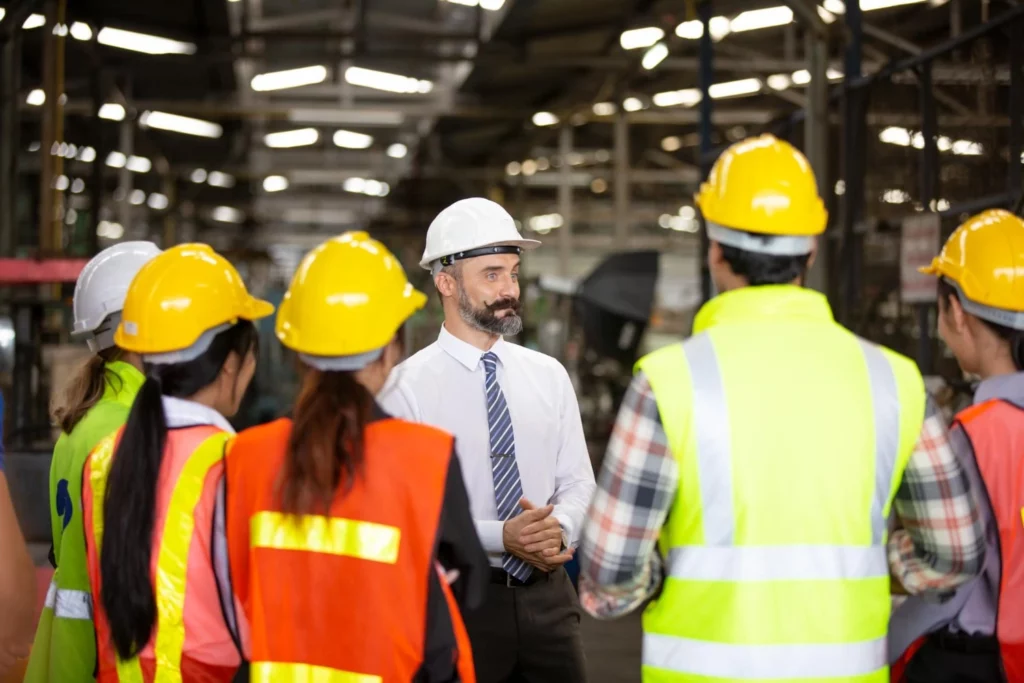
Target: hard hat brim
[
  {"x": 524, "y": 244},
  {"x": 257, "y": 309},
  {"x": 932, "y": 269}
]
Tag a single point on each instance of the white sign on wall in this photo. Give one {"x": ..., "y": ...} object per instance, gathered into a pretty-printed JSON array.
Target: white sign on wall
[{"x": 919, "y": 244}]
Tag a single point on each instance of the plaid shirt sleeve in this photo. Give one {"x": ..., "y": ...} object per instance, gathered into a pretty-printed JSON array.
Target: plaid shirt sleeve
[
  {"x": 619, "y": 564},
  {"x": 941, "y": 543}
]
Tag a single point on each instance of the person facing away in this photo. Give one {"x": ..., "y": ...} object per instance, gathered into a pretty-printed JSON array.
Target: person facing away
[
  {"x": 149, "y": 490},
  {"x": 978, "y": 634},
  {"x": 17, "y": 580},
  {"x": 514, "y": 414},
  {"x": 763, "y": 455},
  {"x": 95, "y": 403},
  {"x": 351, "y": 545}
]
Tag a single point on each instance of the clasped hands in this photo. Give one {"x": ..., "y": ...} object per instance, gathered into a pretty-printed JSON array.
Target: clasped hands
[{"x": 535, "y": 537}]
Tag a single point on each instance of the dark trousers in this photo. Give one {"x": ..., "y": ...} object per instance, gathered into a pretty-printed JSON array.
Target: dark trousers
[
  {"x": 528, "y": 634},
  {"x": 948, "y": 658}
]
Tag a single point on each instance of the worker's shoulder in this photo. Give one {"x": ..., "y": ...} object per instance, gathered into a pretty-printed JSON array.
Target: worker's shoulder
[
  {"x": 420, "y": 432},
  {"x": 424, "y": 360},
  {"x": 261, "y": 440},
  {"x": 902, "y": 366}
]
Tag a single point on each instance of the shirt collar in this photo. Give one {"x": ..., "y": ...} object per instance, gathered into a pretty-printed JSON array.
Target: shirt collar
[
  {"x": 765, "y": 302},
  {"x": 466, "y": 353},
  {"x": 129, "y": 382},
  {"x": 1009, "y": 387},
  {"x": 181, "y": 412}
]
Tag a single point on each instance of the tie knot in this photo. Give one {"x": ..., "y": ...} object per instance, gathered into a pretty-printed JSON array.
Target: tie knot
[{"x": 490, "y": 361}]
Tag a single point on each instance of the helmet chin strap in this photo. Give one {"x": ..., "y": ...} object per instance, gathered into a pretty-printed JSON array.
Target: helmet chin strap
[{"x": 103, "y": 336}]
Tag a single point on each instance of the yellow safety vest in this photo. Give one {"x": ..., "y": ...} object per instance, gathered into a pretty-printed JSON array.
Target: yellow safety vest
[{"x": 791, "y": 436}]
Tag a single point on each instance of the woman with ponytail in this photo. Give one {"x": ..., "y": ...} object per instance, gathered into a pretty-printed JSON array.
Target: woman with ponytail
[
  {"x": 351, "y": 544},
  {"x": 149, "y": 490},
  {"x": 978, "y": 635},
  {"x": 94, "y": 403}
]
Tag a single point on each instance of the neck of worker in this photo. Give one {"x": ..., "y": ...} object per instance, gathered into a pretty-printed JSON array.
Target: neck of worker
[{"x": 460, "y": 329}]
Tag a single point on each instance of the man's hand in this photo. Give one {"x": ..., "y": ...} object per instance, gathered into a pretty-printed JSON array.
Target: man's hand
[{"x": 535, "y": 537}]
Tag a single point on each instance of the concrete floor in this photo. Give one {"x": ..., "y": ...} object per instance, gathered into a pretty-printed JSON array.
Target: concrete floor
[{"x": 613, "y": 649}]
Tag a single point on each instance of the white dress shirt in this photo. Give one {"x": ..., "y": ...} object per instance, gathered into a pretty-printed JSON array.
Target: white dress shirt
[{"x": 443, "y": 386}]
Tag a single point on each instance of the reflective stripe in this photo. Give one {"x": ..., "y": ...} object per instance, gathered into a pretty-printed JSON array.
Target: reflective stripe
[
  {"x": 51, "y": 594},
  {"x": 330, "y": 535},
  {"x": 72, "y": 604},
  {"x": 885, "y": 400},
  {"x": 778, "y": 563},
  {"x": 127, "y": 671},
  {"x": 274, "y": 672},
  {"x": 172, "y": 562},
  {"x": 721, "y": 660},
  {"x": 714, "y": 447}
]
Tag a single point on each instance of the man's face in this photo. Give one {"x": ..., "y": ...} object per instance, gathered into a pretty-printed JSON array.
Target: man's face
[{"x": 488, "y": 293}]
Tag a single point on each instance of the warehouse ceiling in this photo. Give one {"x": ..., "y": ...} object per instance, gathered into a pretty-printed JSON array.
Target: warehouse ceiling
[{"x": 314, "y": 116}]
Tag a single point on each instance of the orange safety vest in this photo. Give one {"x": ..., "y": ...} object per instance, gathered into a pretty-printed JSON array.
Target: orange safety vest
[
  {"x": 191, "y": 642},
  {"x": 342, "y": 596}
]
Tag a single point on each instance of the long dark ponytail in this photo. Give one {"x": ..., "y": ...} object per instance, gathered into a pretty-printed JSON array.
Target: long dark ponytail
[{"x": 130, "y": 503}]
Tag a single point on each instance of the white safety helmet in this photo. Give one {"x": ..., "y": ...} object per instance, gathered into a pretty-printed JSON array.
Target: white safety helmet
[
  {"x": 472, "y": 227},
  {"x": 101, "y": 288}
]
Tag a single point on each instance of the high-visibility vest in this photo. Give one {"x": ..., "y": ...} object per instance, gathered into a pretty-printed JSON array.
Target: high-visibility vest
[
  {"x": 64, "y": 650},
  {"x": 191, "y": 642},
  {"x": 791, "y": 436},
  {"x": 340, "y": 597}
]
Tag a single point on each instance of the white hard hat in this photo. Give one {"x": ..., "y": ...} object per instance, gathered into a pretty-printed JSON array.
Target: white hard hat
[
  {"x": 472, "y": 227},
  {"x": 101, "y": 288}
]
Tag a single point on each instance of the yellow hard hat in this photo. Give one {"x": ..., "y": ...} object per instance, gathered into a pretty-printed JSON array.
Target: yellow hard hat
[
  {"x": 347, "y": 300},
  {"x": 181, "y": 294},
  {"x": 766, "y": 186},
  {"x": 984, "y": 258}
]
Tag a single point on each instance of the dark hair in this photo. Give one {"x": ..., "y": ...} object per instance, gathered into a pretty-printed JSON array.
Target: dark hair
[
  {"x": 84, "y": 390},
  {"x": 1015, "y": 338},
  {"x": 764, "y": 269},
  {"x": 455, "y": 270},
  {"x": 325, "y": 449},
  {"x": 130, "y": 499}
]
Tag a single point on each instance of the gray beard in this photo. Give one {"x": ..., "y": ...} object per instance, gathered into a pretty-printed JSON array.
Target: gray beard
[{"x": 508, "y": 326}]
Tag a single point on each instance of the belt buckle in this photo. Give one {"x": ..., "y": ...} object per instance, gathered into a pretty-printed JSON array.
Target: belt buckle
[{"x": 508, "y": 580}]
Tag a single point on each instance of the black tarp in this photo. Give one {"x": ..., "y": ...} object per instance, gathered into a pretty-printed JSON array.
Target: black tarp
[{"x": 614, "y": 303}]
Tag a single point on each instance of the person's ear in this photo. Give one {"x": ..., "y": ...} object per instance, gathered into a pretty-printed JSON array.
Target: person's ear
[
  {"x": 445, "y": 284},
  {"x": 957, "y": 315},
  {"x": 813, "y": 255}
]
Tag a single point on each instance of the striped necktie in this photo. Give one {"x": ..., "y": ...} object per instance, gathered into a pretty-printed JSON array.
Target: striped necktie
[{"x": 508, "y": 488}]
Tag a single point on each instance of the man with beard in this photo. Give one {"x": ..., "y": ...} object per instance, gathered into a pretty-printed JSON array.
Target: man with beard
[{"x": 520, "y": 441}]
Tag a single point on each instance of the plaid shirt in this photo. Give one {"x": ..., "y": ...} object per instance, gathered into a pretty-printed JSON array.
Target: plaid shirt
[{"x": 940, "y": 546}]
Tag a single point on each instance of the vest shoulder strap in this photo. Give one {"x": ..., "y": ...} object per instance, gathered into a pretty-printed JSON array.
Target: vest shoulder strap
[{"x": 973, "y": 412}]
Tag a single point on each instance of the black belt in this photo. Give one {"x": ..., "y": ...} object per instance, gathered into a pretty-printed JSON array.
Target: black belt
[
  {"x": 500, "y": 576},
  {"x": 965, "y": 642}
]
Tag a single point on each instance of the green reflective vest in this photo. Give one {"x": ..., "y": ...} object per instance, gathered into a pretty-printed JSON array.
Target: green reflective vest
[
  {"x": 64, "y": 650},
  {"x": 791, "y": 436}
]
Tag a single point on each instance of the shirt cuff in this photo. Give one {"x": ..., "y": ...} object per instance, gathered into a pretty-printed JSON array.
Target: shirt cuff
[
  {"x": 491, "y": 533},
  {"x": 567, "y": 529}
]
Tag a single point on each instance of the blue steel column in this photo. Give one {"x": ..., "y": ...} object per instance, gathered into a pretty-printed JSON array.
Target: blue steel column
[
  {"x": 854, "y": 123},
  {"x": 929, "y": 180},
  {"x": 707, "y": 74}
]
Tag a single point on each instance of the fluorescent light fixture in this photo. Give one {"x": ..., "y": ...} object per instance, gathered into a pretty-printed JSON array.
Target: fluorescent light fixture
[
  {"x": 835, "y": 6},
  {"x": 137, "y": 198},
  {"x": 289, "y": 78},
  {"x": 779, "y": 81},
  {"x": 388, "y": 82},
  {"x": 397, "y": 151},
  {"x": 840, "y": 187},
  {"x": 687, "y": 212},
  {"x": 720, "y": 27},
  {"x": 347, "y": 117},
  {"x": 180, "y": 124},
  {"x": 300, "y": 137},
  {"x": 801, "y": 77},
  {"x": 112, "y": 111},
  {"x": 895, "y": 197},
  {"x": 546, "y": 222},
  {"x": 529, "y": 167},
  {"x": 894, "y": 135},
  {"x": 61, "y": 183},
  {"x": 198, "y": 176},
  {"x": 967, "y": 148},
  {"x": 226, "y": 214},
  {"x": 78, "y": 186},
  {"x": 81, "y": 31},
  {"x": 833, "y": 74},
  {"x": 36, "y": 98},
  {"x": 275, "y": 183},
  {"x": 490, "y": 5},
  {"x": 87, "y": 154},
  {"x": 110, "y": 230},
  {"x": 34, "y": 21},
  {"x": 34, "y": 146},
  {"x": 357, "y": 185},
  {"x": 544, "y": 118},
  {"x": 138, "y": 164},
  {"x": 598, "y": 185},
  {"x": 116, "y": 160},
  {"x": 826, "y": 16},
  {"x": 694, "y": 29},
  {"x": 753, "y": 20},
  {"x": 679, "y": 223},
  {"x": 3, "y": 13},
  {"x": 351, "y": 140},
  {"x": 671, "y": 144},
  {"x": 942, "y": 205},
  {"x": 219, "y": 179},
  {"x": 374, "y": 188},
  {"x": 158, "y": 202},
  {"x": 604, "y": 108},
  {"x": 632, "y": 104},
  {"x": 869, "y": 5},
  {"x": 637, "y": 38},
  {"x": 513, "y": 168},
  {"x": 674, "y": 98},
  {"x": 654, "y": 56},
  {"x": 944, "y": 143},
  {"x": 143, "y": 42},
  {"x": 744, "y": 86}
]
